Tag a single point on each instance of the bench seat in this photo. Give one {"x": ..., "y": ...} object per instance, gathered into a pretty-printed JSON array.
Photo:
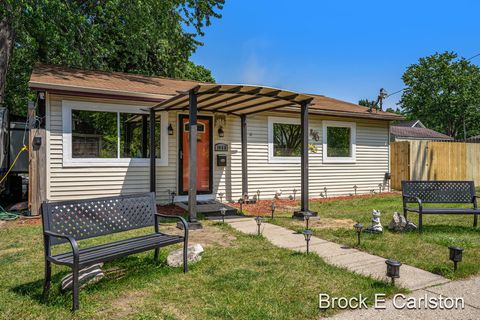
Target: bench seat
[
  {"x": 113, "y": 250},
  {"x": 436, "y": 193},
  {"x": 445, "y": 210},
  {"x": 75, "y": 220}
]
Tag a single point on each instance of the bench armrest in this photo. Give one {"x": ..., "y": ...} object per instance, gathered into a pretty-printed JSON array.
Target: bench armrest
[
  {"x": 73, "y": 242},
  {"x": 182, "y": 220},
  {"x": 417, "y": 199}
]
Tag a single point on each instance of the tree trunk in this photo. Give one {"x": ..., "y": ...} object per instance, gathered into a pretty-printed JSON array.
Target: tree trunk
[{"x": 6, "y": 46}]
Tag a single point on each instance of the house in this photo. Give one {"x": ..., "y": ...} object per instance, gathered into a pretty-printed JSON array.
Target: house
[
  {"x": 248, "y": 139},
  {"x": 414, "y": 130},
  {"x": 474, "y": 138}
]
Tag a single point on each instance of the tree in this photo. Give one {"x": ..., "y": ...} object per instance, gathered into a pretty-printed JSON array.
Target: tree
[
  {"x": 153, "y": 37},
  {"x": 367, "y": 103},
  {"x": 443, "y": 91},
  {"x": 9, "y": 12}
]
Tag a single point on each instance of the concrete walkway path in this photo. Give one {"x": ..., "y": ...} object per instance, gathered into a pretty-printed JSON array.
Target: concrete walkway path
[
  {"x": 419, "y": 281},
  {"x": 468, "y": 289},
  {"x": 352, "y": 259}
]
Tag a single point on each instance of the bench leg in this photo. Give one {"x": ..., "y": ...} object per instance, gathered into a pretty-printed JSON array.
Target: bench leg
[
  {"x": 475, "y": 220},
  {"x": 185, "y": 256},
  {"x": 75, "y": 288},
  {"x": 48, "y": 279},
  {"x": 405, "y": 214},
  {"x": 420, "y": 222},
  {"x": 157, "y": 253}
]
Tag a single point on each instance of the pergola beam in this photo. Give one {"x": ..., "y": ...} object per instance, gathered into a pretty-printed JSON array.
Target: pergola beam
[
  {"x": 270, "y": 108},
  {"x": 235, "y": 90}
]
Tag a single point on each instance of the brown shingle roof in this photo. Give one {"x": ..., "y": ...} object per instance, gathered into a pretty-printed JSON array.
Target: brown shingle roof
[
  {"x": 62, "y": 78},
  {"x": 417, "y": 133},
  {"x": 135, "y": 86}
]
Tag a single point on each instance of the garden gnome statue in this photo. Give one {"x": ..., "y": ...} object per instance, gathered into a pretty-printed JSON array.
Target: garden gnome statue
[{"x": 376, "y": 226}]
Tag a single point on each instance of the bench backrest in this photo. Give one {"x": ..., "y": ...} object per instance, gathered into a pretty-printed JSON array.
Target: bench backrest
[
  {"x": 439, "y": 191},
  {"x": 83, "y": 219}
]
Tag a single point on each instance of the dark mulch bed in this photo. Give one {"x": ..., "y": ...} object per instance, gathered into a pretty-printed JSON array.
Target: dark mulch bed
[
  {"x": 170, "y": 209},
  {"x": 263, "y": 207}
]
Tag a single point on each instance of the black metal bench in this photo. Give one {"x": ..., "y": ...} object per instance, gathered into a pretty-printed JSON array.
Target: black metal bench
[
  {"x": 421, "y": 192},
  {"x": 70, "y": 221}
]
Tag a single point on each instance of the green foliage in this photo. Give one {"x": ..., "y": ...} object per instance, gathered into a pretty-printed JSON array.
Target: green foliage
[
  {"x": 287, "y": 140},
  {"x": 153, "y": 37},
  {"x": 338, "y": 142},
  {"x": 367, "y": 103},
  {"x": 443, "y": 91}
]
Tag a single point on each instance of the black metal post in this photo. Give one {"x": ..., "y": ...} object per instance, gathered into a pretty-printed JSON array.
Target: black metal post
[
  {"x": 152, "y": 152},
  {"x": 304, "y": 156},
  {"x": 192, "y": 168},
  {"x": 243, "y": 120},
  {"x": 304, "y": 163},
  {"x": 144, "y": 136}
]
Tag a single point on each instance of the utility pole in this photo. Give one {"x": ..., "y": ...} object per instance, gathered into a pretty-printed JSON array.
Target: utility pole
[{"x": 381, "y": 96}]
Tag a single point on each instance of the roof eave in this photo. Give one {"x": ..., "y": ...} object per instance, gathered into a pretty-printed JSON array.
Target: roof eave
[{"x": 42, "y": 86}]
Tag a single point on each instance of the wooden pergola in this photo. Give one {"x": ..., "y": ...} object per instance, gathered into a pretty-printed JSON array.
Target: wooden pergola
[{"x": 241, "y": 101}]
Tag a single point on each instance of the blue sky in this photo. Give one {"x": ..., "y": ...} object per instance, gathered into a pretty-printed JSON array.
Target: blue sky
[{"x": 343, "y": 49}]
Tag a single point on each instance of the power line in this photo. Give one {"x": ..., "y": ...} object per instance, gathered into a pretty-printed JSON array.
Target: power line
[{"x": 478, "y": 54}]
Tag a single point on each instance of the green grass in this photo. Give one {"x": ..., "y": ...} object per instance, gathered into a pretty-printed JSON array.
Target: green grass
[
  {"x": 250, "y": 279},
  {"x": 427, "y": 250}
]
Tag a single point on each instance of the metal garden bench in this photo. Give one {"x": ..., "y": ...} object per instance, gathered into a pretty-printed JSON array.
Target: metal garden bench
[
  {"x": 446, "y": 192},
  {"x": 71, "y": 221}
]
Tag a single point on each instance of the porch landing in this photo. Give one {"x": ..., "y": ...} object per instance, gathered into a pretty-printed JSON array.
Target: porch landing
[{"x": 209, "y": 207}]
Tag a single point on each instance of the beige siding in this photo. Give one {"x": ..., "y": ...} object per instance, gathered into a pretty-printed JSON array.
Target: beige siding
[
  {"x": 372, "y": 158},
  {"x": 367, "y": 172}
]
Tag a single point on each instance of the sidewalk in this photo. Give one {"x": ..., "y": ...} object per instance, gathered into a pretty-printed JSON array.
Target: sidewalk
[
  {"x": 352, "y": 259},
  {"x": 419, "y": 281},
  {"x": 468, "y": 289}
]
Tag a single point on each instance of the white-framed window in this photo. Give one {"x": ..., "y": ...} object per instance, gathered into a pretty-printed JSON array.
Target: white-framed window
[
  {"x": 104, "y": 134},
  {"x": 284, "y": 140},
  {"x": 339, "y": 141}
]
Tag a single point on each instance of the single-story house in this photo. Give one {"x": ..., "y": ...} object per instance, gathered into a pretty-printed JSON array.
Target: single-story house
[
  {"x": 474, "y": 138},
  {"x": 415, "y": 130},
  {"x": 248, "y": 139}
]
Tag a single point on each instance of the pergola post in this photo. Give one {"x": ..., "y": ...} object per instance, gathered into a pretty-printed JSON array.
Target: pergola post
[
  {"x": 243, "y": 129},
  {"x": 304, "y": 164},
  {"x": 192, "y": 165},
  {"x": 152, "y": 152}
]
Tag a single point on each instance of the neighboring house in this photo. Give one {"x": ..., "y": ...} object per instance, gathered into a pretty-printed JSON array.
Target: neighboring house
[
  {"x": 97, "y": 133},
  {"x": 474, "y": 139},
  {"x": 414, "y": 130}
]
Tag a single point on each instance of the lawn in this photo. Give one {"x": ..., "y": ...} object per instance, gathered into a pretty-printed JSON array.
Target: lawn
[
  {"x": 239, "y": 277},
  {"x": 428, "y": 250}
]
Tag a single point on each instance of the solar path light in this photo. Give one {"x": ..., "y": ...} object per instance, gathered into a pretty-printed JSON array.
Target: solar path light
[
  {"x": 258, "y": 220},
  {"x": 455, "y": 256},
  {"x": 393, "y": 269},
  {"x": 308, "y": 235},
  {"x": 358, "y": 227},
  {"x": 223, "y": 212}
]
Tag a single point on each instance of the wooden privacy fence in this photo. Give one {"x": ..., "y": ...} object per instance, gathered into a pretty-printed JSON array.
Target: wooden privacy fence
[{"x": 430, "y": 160}]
